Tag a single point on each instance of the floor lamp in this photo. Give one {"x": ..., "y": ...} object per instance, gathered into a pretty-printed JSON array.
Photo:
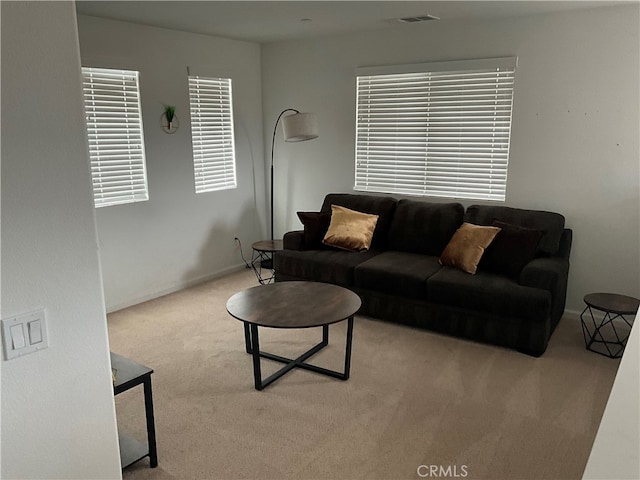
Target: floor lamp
[{"x": 297, "y": 127}]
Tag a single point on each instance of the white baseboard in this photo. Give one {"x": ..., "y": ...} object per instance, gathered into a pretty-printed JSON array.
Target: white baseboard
[
  {"x": 175, "y": 288},
  {"x": 573, "y": 315}
]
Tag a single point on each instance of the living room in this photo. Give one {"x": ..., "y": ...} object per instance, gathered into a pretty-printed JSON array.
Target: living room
[{"x": 574, "y": 150}]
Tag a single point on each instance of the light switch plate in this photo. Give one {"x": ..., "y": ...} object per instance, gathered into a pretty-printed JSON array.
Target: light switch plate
[{"x": 33, "y": 328}]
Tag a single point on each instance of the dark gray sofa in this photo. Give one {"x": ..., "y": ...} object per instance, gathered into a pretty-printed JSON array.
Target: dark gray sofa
[{"x": 400, "y": 279}]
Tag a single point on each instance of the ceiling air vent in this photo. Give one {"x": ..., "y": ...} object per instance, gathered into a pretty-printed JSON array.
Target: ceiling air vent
[{"x": 421, "y": 18}]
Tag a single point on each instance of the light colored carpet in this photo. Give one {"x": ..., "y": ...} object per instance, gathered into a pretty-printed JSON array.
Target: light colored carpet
[{"x": 414, "y": 398}]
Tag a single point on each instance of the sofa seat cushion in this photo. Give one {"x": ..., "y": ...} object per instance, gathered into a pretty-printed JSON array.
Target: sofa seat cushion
[
  {"x": 397, "y": 273},
  {"x": 488, "y": 292},
  {"x": 330, "y": 266}
]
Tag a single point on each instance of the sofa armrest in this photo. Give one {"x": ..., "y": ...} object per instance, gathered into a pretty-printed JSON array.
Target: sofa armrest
[
  {"x": 293, "y": 240},
  {"x": 565, "y": 244},
  {"x": 545, "y": 273},
  {"x": 550, "y": 274}
]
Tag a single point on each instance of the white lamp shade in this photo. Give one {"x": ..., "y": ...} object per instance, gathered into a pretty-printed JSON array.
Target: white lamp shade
[{"x": 300, "y": 127}]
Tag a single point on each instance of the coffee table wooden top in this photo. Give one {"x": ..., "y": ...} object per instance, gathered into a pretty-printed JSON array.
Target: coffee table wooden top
[
  {"x": 612, "y": 302},
  {"x": 294, "y": 304}
]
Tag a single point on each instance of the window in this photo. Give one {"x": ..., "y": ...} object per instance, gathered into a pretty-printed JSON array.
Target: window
[
  {"x": 214, "y": 158},
  {"x": 116, "y": 143},
  {"x": 438, "y": 129}
]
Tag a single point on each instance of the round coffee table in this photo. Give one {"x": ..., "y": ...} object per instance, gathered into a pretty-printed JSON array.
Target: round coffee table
[
  {"x": 294, "y": 305},
  {"x": 614, "y": 307}
]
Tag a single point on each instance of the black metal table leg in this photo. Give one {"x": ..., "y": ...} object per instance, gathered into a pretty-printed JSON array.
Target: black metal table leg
[
  {"x": 151, "y": 427},
  {"x": 262, "y": 260},
  {"x": 247, "y": 338},
  {"x": 613, "y": 346},
  {"x": 255, "y": 347},
  {"x": 347, "y": 352}
]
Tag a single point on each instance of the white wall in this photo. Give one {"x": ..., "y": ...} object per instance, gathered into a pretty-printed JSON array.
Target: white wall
[
  {"x": 58, "y": 416},
  {"x": 0, "y": 361},
  {"x": 616, "y": 449},
  {"x": 178, "y": 238},
  {"x": 574, "y": 146}
]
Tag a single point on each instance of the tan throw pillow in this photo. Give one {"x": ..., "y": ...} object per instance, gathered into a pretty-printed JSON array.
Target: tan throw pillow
[
  {"x": 350, "y": 230},
  {"x": 466, "y": 247}
]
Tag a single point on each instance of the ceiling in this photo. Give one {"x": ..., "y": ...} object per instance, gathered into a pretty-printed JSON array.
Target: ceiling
[{"x": 269, "y": 21}]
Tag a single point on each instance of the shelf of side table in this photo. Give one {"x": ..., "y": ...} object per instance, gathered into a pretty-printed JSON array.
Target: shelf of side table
[{"x": 129, "y": 374}]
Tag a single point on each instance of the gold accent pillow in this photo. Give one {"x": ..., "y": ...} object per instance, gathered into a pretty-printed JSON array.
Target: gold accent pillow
[
  {"x": 466, "y": 247},
  {"x": 350, "y": 230}
]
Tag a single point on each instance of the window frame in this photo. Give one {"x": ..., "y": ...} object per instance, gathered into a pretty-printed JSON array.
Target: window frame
[
  {"x": 115, "y": 134},
  {"x": 214, "y": 152},
  {"x": 441, "y": 152}
]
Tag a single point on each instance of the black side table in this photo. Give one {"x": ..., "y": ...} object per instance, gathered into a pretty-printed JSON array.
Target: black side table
[
  {"x": 262, "y": 259},
  {"x": 604, "y": 337},
  {"x": 127, "y": 375}
]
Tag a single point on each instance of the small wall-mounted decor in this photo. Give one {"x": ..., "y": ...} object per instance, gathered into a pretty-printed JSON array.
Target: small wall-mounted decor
[{"x": 169, "y": 119}]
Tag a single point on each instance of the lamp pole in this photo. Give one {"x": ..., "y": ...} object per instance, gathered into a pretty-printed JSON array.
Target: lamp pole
[{"x": 273, "y": 141}]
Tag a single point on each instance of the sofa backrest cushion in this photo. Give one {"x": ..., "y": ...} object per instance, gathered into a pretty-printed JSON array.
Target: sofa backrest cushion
[
  {"x": 549, "y": 223},
  {"x": 422, "y": 227},
  {"x": 381, "y": 206}
]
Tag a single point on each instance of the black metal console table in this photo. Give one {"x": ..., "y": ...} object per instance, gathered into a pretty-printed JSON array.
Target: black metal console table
[{"x": 127, "y": 375}]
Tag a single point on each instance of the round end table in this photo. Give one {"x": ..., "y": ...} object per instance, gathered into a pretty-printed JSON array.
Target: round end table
[
  {"x": 603, "y": 336},
  {"x": 262, "y": 259}
]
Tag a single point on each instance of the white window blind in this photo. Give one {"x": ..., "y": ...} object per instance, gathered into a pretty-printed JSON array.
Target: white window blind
[
  {"x": 116, "y": 142},
  {"x": 439, "y": 129},
  {"x": 214, "y": 158}
]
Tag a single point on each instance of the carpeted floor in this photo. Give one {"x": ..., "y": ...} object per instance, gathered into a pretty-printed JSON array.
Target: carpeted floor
[{"x": 460, "y": 409}]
